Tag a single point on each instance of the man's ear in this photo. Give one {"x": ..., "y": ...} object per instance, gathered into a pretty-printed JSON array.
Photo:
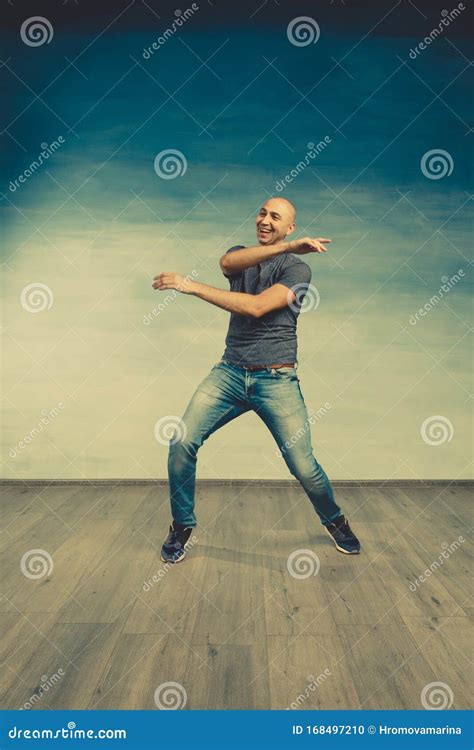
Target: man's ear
[{"x": 291, "y": 228}]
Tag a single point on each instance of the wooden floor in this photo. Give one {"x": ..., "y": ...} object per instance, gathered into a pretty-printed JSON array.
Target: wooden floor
[{"x": 230, "y": 624}]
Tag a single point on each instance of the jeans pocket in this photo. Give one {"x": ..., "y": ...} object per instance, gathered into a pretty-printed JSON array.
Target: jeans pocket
[{"x": 286, "y": 373}]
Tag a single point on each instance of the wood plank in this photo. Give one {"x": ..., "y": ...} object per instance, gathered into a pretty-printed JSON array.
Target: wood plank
[
  {"x": 17, "y": 524},
  {"x": 112, "y": 583},
  {"x": 233, "y": 609},
  {"x": 139, "y": 665},
  {"x": 309, "y": 672},
  {"x": 388, "y": 670},
  {"x": 21, "y": 636},
  {"x": 69, "y": 562},
  {"x": 401, "y": 567},
  {"x": 84, "y": 652},
  {"x": 48, "y": 534},
  {"x": 104, "y": 503},
  {"x": 446, "y": 643},
  {"x": 292, "y": 604},
  {"x": 230, "y": 623},
  {"x": 229, "y": 679},
  {"x": 169, "y": 595}
]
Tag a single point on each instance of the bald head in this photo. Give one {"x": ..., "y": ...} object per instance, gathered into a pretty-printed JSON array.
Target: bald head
[
  {"x": 275, "y": 220},
  {"x": 284, "y": 205}
]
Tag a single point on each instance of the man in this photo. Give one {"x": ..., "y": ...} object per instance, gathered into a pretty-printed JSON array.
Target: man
[{"x": 257, "y": 372}]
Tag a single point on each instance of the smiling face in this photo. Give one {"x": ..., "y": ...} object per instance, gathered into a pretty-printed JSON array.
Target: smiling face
[{"x": 275, "y": 220}]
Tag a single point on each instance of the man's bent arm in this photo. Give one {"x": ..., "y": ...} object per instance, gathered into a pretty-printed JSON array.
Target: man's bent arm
[
  {"x": 235, "y": 302},
  {"x": 238, "y": 260}
]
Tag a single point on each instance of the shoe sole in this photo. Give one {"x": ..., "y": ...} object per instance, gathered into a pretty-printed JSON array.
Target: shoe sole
[
  {"x": 346, "y": 552},
  {"x": 175, "y": 562}
]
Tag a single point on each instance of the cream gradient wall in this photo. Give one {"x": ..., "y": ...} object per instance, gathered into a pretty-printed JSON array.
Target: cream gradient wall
[{"x": 395, "y": 235}]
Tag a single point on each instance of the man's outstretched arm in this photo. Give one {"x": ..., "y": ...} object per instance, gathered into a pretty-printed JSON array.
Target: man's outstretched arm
[
  {"x": 238, "y": 260},
  {"x": 254, "y": 305}
]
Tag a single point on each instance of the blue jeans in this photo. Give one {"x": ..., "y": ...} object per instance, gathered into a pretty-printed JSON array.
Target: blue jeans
[{"x": 226, "y": 393}]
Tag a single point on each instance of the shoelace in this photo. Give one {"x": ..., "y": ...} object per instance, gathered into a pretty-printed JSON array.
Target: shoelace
[{"x": 344, "y": 528}]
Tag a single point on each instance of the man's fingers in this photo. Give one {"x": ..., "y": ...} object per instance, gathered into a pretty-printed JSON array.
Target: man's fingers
[{"x": 317, "y": 247}]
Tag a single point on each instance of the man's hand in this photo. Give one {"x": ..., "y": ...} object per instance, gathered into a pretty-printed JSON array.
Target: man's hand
[
  {"x": 307, "y": 245},
  {"x": 170, "y": 280}
]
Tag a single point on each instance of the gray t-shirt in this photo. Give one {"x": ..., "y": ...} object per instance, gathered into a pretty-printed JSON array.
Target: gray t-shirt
[{"x": 270, "y": 339}]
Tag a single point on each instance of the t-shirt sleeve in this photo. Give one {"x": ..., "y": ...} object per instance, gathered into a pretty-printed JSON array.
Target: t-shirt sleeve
[
  {"x": 237, "y": 273},
  {"x": 296, "y": 276}
]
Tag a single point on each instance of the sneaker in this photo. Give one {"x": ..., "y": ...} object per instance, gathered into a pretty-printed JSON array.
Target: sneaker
[
  {"x": 173, "y": 549},
  {"x": 343, "y": 536}
]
